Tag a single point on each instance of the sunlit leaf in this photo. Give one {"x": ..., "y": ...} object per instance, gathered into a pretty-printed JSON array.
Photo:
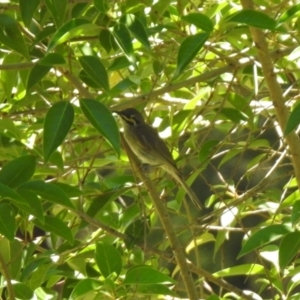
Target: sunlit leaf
[{"x": 188, "y": 49}]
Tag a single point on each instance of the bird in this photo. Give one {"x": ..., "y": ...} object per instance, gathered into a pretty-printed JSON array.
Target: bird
[{"x": 147, "y": 145}]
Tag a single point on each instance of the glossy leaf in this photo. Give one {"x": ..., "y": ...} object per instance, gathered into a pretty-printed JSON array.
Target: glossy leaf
[
  {"x": 22, "y": 291},
  {"x": 37, "y": 73},
  {"x": 10, "y": 35},
  {"x": 289, "y": 247},
  {"x": 84, "y": 286},
  {"x": 101, "y": 118},
  {"x": 57, "y": 227},
  {"x": 296, "y": 213},
  {"x": 8, "y": 193},
  {"x": 94, "y": 68},
  {"x": 124, "y": 40},
  {"x": 18, "y": 171},
  {"x": 137, "y": 29},
  {"x": 247, "y": 269},
  {"x": 72, "y": 28},
  {"x": 293, "y": 120},
  {"x": 27, "y": 9},
  {"x": 34, "y": 203},
  {"x": 58, "y": 122},
  {"x": 146, "y": 275},
  {"x": 253, "y": 18},
  {"x": 52, "y": 59},
  {"x": 108, "y": 259},
  {"x": 188, "y": 50},
  {"x": 7, "y": 221},
  {"x": 57, "y": 8},
  {"x": 263, "y": 236},
  {"x": 48, "y": 191},
  {"x": 199, "y": 20},
  {"x": 289, "y": 13}
]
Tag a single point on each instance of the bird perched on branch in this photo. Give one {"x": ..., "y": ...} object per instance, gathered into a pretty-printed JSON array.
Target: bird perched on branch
[{"x": 150, "y": 148}]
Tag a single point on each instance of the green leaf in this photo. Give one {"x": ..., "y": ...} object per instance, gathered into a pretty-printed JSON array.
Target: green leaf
[
  {"x": 206, "y": 150},
  {"x": 11, "y": 36},
  {"x": 52, "y": 59},
  {"x": 56, "y": 226},
  {"x": 124, "y": 40},
  {"x": 289, "y": 247},
  {"x": 37, "y": 73},
  {"x": 27, "y": 9},
  {"x": 120, "y": 62},
  {"x": 101, "y": 5},
  {"x": 71, "y": 191},
  {"x": 84, "y": 286},
  {"x": 94, "y": 68},
  {"x": 108, "y": 259},
  {"x": 6, "y": 192},
  {"x": 247, "y": 269},
  {"x": 136, "y": 233},
  {"x": 188, "y": 50},
  {"x": 293, "y": 120},
  {"x": 34, "y": 203},
  {"x": 137, "y": 29},
  {"x": 101, "y": 118},
  {"x": 7, "y": 221},
  {"x": 18, "y": 171},
  {"x": 57, "y": 8},
  {"x": 289, "y": 13},
  {"x": 22, "y": 291},
  {"x": 58, "y": 122},
  {"x": 262, "y": 237},
  {"x": 253, "y": 18},
  {"x": 146, "y": 275},
  {"x": 9, "y": 78},
  {"x": 199, "y": 20},
  {"x": 233, "y": 114},
  {"x": 48, "y": 191},
  {"x": 296, "y": 213},
  {"x": 72, "y": 28}
]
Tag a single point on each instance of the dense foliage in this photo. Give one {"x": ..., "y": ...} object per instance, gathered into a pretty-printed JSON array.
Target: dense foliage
[{"x": 219, "y": 81}]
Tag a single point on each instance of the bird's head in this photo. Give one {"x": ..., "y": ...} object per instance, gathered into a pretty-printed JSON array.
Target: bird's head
[{"x": 131, "y": 116}]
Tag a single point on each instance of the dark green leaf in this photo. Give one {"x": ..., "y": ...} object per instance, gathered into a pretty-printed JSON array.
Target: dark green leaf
[
  {"x": 206, "y": 150},
  {"x": 7, "y": 221},
  {"x": 101, "y": 118},
  {"x": 57, "y": 9},
  {"x": 199, "y": 20},
  {"x": 58, "y": 122},
  {"x": 188, "y": 50},
  {"x": 123, "y": 39},
  {"x": 70, "y": 190},
  {"x": 234, "y": 115},
  {"x": 18, "y": 171},
  {"x": 107, "y": 40},
  {"x": 289, "y": 247},
  {"x": 22, "y": 291},
  {"x": 119, "y": 63},
  {"x": 48, "y": 191},
  {"x": 137, "y": 29},
  {"x": 293, "y": 120},
  {"x": 56, "y": 226},
  {"x": 11, "y": 36},
  {"x": 108, "y": 259},
  {"x": 36, "y": 75},
  {"x": 122, "y": 86},
  {"x": 136, "y": 233},
  {"x": 34, "y": 203},
  {"x": 94, "y": 68},
  {"x": 253, "y": 18},
  {"x": 263, "y": 236},
  {"x": 52, "y": 59},
  {"x": 27, "y": 9},
  {"x": 101, "y": 5},
  {"x": 18, "y": 200},
  {"x": 146, "y": 275},
  {"x": 72, "y": 28},
  {"x": 296, "y": 213}
]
